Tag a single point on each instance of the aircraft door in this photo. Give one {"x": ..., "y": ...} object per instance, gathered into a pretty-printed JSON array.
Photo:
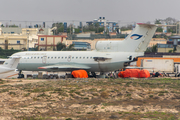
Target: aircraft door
[{"x": 44, "y": 59}]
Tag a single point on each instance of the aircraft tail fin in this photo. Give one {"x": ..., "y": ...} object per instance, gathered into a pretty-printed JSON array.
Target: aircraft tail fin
[
  {"x": 12, "y": 62},
  {"x": 140, "y": 37},
  {"x": 136, "y": 41}
]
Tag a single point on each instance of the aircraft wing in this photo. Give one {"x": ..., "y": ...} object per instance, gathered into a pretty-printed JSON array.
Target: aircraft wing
[{"x": 65, "y": 67}]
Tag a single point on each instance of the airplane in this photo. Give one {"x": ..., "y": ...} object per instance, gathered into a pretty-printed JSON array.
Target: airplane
[
  {"x": 108, "y": 55},
  {"x": 9, "y": 66}
]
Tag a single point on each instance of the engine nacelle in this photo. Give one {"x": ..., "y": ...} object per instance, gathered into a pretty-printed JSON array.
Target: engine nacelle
[{"x": 108, "y": 46}]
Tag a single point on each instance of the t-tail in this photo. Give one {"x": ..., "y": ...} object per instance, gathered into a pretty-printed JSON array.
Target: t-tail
[
  {"x": 140, "y": 37},
  {"x": 136, "y": 41}
]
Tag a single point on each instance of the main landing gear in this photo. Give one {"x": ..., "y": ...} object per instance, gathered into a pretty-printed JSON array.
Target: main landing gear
[
  {"x": 93, "y": 74},
  {"x": 20, "y": 75}
]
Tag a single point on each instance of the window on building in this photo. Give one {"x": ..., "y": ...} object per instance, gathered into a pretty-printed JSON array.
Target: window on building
[
  {"x": 42, "y": 39},
  {"x": 18, "y": 42}
]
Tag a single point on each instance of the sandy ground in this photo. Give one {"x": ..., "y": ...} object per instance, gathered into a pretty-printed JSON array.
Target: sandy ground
[{"x": 90, "y": 99}]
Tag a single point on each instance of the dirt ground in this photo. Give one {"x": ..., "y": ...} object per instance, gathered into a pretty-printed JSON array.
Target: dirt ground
[{"x": 90, "y": 99}]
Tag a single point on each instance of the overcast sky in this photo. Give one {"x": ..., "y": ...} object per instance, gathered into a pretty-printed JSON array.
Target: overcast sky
[{"x": 121, "y": 11}]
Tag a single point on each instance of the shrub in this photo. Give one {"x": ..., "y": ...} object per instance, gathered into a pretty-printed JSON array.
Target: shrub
[{"x": 104, "y": 94}]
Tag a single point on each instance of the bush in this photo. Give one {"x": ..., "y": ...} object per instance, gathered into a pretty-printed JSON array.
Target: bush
[{"x": 104, "y": 94}]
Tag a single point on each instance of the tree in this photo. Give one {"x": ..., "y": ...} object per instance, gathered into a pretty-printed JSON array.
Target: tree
[
  {"x": 60, "y": 46},
  {"x": 13, "y": 25},
  {"x": 60, "y": 27},
  {"x": 170, "y": 21},
  {"x": 152, "y": 49},
  {"x": 69, "y": 48},
  {"x": 128, "y": 27},
  {"x": 157, "y": 21},
  {"x": 159, "y": 29}
]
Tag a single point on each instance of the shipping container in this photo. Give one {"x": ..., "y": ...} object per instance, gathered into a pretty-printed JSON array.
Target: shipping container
[{"x": 158, "y": 65}]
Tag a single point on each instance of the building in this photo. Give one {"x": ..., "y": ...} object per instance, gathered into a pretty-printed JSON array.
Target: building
[
  {"x": 21, "y": 38},
  {"x": 49, "y": 42},
  {"x": 82, "y": 45},
  {"x": 173, "y": 44},
  {"x": 17, "y": 42},
  {"x": 102, "y": 22},
  {"x": 164, "y": 47}
]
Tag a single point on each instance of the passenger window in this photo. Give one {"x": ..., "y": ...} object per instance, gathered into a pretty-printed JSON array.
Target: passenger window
[
  {"x": 76, "y": 57},
  {"x": 38, "y": 57},
  {"x": 34, "y": 57},
  {"x": 72, "y": 57},
  {"x": 87, "y": 57},
  {"x": 58, "y": 57},
  {"x": 55, "y": 57},
  {"x": 79, "y": 57},
  {"x": 65, "y": 57},
  {"x": 83, "y": 57},
  {"x": 62, "y": 57},
  {"x": 90, "y": 57}
]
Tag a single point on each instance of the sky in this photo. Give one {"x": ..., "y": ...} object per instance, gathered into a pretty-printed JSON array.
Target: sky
[{"x": 30, "y": 12}]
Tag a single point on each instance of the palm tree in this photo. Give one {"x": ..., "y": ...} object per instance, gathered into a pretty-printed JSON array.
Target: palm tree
[
  {"x": 69, "y": 48},
  {"x": 60, "y": 46}
]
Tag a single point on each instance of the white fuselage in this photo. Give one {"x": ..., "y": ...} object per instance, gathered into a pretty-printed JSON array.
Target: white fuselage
[{"x": 30, "y": 61}]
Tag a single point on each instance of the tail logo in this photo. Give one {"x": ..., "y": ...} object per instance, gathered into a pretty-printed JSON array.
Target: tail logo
[{"x": 136, "y": 36}]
